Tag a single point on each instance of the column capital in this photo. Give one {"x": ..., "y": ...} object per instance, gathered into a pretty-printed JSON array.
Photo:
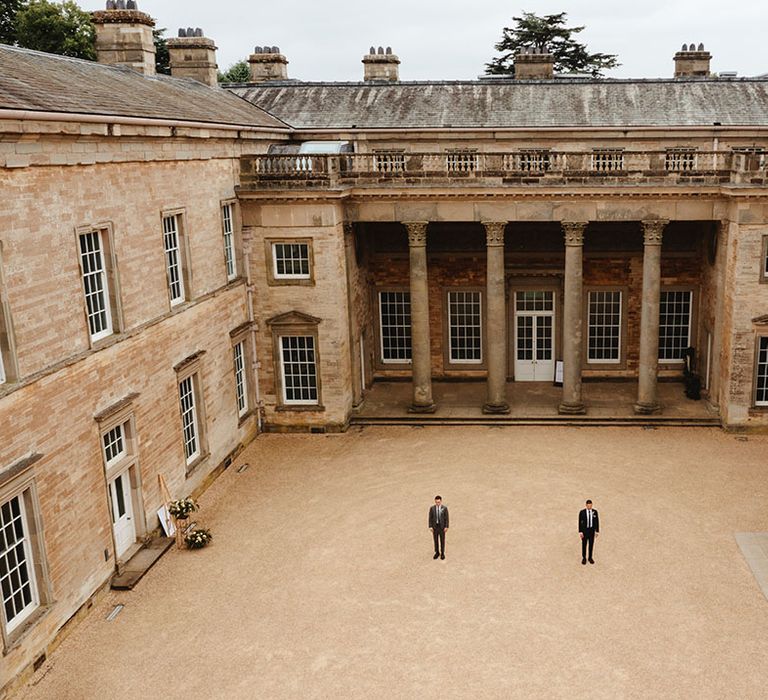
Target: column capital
[
  {"x": 653, "y": 230},
  {"x": 417, "y": 233},
  {"x": 494, "y": 232},
  {"x": 574, "y": 232}
]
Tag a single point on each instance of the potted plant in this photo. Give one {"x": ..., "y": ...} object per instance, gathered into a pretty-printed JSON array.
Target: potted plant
[
  {"x": 197, "y": 539},
  {"x": 181, "y": 508}
]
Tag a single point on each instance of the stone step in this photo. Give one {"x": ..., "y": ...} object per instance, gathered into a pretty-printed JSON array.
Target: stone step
[
  {"x": 585, "y": 421},
  {"x": 140, "y": 563}
]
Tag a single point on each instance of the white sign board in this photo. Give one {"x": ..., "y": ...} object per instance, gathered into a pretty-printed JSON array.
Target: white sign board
[
  {"x": 166, "y": 521},
  {"x": 558, "y": 373}
]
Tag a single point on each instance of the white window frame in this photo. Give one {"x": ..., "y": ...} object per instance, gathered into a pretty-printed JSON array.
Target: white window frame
[
  {"x": 24, "y": 614},
  {"x": 453, "y": 298},
  {"x": 292, "y": 276},
  {"x": 675, "y": 360},
  {"x": 93, "y": 274},
  {"x": 761, "y": 367},
  {"x": 764, "y": 261},
  {"x": 228, "y": 230},
  {"x": 601, "y": 360},
  {"x": 241, "y": 377},
  {"x": 281, "y": 348},
  {"x": 110, "y": 438},
  {"x": 403, "y": 326},
  {"x": 190, "y": 421},
  {"x": 172, "y": 228}
]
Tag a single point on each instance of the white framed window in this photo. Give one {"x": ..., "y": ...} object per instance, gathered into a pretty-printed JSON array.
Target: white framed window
[
  {"x": 291, "y": 260},
  {"x": 604, "y": 327},
  {"x": 761, "y": 372},
  {"x": 461, "y": 162},
  {"x": 241, "y": 384},
  {"x": 465, "y": 327},
  {"x": 174, "y": 259},
  {"x": 389, "y": 161},
  {"x": 764, "y": 261},
  {"x": 189, "y": 418},
  {"x": 18, "y": 584},
  {"x": 114, "y": 444},
  {"x": 298, "y": 369},
  {"x": 675, "y": 312},
  {"x": 228, "y": 226},
  {"x": 607, "y": 160},
  {"x": 395, "y": 326},
  {"x": 95, "y": 284},
  {"x": 680, "y": 159}
]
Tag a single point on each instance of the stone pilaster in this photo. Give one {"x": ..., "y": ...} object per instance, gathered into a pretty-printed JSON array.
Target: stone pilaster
[
  {"x": 354, "y": 330},
  {"x": 420, "y": 351},
  {"x": 647, "y": 399},
  {"x": 572, "y": 317},
  {"x": 496, "y": 326}
]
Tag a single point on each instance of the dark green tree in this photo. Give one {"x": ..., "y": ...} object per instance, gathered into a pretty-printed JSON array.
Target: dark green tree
[
  {"x": 162, "y": 57},
  {"x": 8, "y": 11},
  {"x": 61, "y": 28},
  {"x": 550, "y": 33},
  {"x": 238, "y": 72}
]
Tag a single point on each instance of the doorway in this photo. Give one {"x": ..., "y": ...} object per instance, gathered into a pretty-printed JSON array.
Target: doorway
[
  {"x": 534, "y": 336},
  {"x": 121, "y": 505}
]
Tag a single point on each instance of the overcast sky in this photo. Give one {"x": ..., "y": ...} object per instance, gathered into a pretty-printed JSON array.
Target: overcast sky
[{"x": 453, "y": 39}]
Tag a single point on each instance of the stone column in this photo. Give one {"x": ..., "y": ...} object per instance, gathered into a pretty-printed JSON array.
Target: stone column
[
  {"x": 421, "y": 362},
  {"x": 572, "y": 317},
  {"x": 496, "y": 319},
  {"x": 354, "y": 331},
  {"x": 647, "y": 399}
]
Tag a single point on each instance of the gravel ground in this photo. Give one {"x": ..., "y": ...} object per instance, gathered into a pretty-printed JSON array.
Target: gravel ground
[{"x": 320, "y": 582}]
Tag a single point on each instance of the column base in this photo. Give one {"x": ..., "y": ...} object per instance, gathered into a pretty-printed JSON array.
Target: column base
[
  {"x": 571, "y": 409},
  {"x": 647, "y": 409},
  {"x": 421, "y": 408},
  {"x": 496, "y": 408}
]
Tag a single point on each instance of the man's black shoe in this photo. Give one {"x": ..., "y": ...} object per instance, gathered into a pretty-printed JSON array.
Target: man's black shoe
[
  {"x": 442, "y": 556},
  {"x": 583, "y": 561},
  {"x": 591, "y": 561},
  {"x": 436, "y": 555}
]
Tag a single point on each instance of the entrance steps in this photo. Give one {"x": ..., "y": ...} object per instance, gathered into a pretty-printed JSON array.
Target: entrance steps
[{"x": 423, "y": 420}]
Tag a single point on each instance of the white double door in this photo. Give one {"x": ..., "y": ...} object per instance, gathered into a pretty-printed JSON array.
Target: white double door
[
  {"x": 121, "y": 504},
  {"x": 534, "y": 326}
]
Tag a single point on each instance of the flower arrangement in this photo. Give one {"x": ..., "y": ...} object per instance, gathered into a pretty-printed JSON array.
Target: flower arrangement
[
  {"x": 197, "y": 539},
  {"x": 181, "y": 508}
]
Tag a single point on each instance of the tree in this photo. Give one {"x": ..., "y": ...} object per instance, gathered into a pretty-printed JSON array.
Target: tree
[
  {"x": 62, "y": 28},
  {"x": 162, "y": 57},
  {"x": 550, "y": 33},
  {"x": 8, "y": 12},
  {"x": 239, "y": 72}
]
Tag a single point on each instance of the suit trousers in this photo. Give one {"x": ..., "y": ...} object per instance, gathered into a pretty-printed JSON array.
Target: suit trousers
[
  {"x": 589, "y": 537},
  {"x": 438, "y": 535}
]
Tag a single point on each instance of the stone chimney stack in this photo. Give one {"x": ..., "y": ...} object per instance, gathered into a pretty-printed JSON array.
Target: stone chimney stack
[
  {"x": 124, "y": 36},
  {"x": 692, "y": 61},
  {"x": 534, "y": 64},
  {"x": 381, "y": 65},
  {"x": 193, "y": 56},
  {"x": 267, "y": 63}
]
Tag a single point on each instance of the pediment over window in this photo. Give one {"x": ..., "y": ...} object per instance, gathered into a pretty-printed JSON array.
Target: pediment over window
[
  {"x": 293, "y": 318},
  {"x": 761, "y": 320}
]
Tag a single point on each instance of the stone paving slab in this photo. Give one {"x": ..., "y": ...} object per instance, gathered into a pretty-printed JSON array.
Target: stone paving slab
[{"x": 754, "y": 547}]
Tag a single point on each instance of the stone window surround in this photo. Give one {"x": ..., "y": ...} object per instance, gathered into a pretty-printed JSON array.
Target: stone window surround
[
  {"x": 449, "y": 364},
  {"x": 243, "y": 334},
  {"x": 693, "y": 331},
  {"x": 9, "y": 372},
  {"x": 237, "y": 237},
  {"x": 185, "y": 257},
  {"x": 192, "y": 366},
  {"x": 272, "y": 279},
  {"x": 761, "y": 326},
  {"x": 19, "y": 480},
  {"x": 123, "y": 413},
  {"x": 622, "y": 363},
  {"x": 299, "y": 324},
  {"x": 379, "y": 363},
  {"x": 107, "y": 237},
  {"x": 764, "y": 261}
]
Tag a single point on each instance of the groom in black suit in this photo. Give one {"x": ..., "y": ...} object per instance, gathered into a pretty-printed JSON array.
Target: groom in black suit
[
  {"x": 438, "y": 523},
  {"x": 589, "y": 528}
]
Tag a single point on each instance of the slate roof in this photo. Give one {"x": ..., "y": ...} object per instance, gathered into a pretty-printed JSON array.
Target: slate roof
[
  {"x": 31, "y": 80},
  {"x": 506, "y": 103}
]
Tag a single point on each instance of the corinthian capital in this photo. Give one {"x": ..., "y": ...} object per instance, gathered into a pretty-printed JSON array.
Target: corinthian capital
[
  {"x": 417, "y": 233},
  {"x": 574, "y": 232},
  {"x": 494, "y": 232},
  {"x": 653, "y": 230}
]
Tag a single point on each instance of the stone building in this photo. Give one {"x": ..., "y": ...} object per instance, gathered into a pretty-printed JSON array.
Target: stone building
[{"x": 183, "y": 265}]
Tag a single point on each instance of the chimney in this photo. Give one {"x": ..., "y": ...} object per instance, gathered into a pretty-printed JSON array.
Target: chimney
[
  {"x": 267, "y": 63},
  {"x": 381, "y": 65},
  {"x": 124, "y": 36},
  {"x": 692, "y": 61},
  {"x": 534, "y": 64},
  {"x": 193, "y": 56}
]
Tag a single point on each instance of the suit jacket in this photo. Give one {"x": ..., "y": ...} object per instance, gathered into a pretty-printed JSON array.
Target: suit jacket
[
  {"x": 583, "y": 520},
  {"x": 433, "y": 517}
]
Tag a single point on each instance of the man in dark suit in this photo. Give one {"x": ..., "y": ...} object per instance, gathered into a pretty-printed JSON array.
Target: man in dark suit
[
  {"x": 589, "y": 528},
  {"x": 438, "y": 523}
]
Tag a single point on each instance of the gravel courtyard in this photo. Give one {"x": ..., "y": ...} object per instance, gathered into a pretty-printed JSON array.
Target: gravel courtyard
[{"x": 320, "y": 582}]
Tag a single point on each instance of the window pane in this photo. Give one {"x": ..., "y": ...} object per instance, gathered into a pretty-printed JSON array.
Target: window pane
[
  {"x": 114, "y": 444},
  {"x": 674, "y": 325},
  {"x": 761, "y": 388},
  {"x": 189, "y": 418},
  {"x": 299, "y": 369},
  {"x": 240, "y": 386},
  {"x": 291, "y": 260},
  {"x": 17, "y": 585},
  {"x": 604, "y": 319},
  {"x": 95, "y": 285},
  {"x": 465, "y": 327},
  {"x": 395, "y": 326},
  {"x": 229, "y": 244},
  {"x": 173, "y": 259}
]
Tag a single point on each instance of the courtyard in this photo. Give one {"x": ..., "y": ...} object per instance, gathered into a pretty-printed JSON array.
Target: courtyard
[{"x": 320, "y": 582}]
